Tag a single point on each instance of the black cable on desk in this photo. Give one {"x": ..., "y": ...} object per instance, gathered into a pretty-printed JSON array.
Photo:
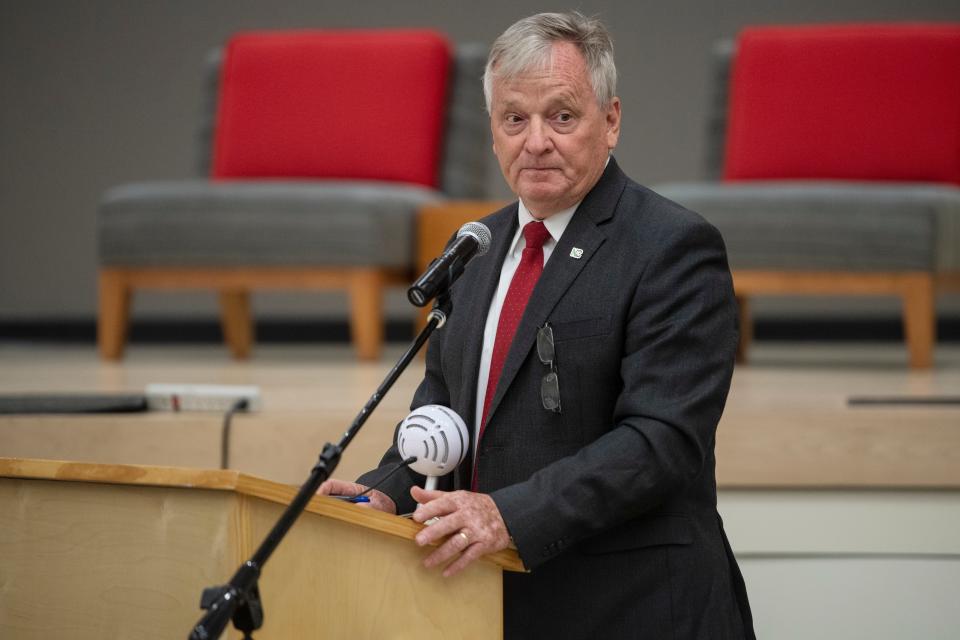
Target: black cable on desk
[{"x": 239, "y": 405}]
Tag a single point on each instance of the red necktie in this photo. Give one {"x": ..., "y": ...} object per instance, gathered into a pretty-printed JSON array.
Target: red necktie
[{"x": 524, "y": 279}]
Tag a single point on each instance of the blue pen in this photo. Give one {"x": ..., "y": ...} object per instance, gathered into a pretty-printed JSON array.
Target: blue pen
[{"x": 353, "y": 499}]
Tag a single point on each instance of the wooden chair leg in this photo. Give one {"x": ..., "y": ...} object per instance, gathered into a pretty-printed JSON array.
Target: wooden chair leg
[
  {"x": 919, "y": 320},
  {"x": 236, "y": 321},
  {"x": 113, "y": 313},
  {"x": 366, "y": 312},
  {"x": 746, "y": 328}
]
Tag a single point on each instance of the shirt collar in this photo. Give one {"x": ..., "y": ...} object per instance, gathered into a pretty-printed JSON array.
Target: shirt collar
[{"x": 555, "y": 224}]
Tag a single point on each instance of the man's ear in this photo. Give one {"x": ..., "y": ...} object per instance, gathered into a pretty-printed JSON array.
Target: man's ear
[{"x": 613, "y": 122}]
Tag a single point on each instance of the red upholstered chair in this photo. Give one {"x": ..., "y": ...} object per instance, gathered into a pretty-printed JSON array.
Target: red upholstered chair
[
  {"x": 323, "y": 146},
  {"x": 837, "y": 153}
]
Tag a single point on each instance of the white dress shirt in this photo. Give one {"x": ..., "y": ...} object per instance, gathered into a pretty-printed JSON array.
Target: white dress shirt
[{"x": 555, "y": 224}]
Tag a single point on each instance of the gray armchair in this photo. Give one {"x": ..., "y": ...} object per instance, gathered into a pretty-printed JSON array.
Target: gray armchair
[
  {"x": 237, "y": 235},
  {"x": 846, "y": 219}
]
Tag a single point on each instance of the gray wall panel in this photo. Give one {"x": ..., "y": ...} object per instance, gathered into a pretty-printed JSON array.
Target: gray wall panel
[{"x": 98, "y": 93}]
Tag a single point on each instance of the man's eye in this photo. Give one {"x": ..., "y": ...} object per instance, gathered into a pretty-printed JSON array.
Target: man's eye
[
  {"x": 564, "y": 117},
  {"x": 514, "y": 119}
]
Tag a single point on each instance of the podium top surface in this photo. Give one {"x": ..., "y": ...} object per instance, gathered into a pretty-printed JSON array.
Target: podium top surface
[{"x": 224, "y": 480}]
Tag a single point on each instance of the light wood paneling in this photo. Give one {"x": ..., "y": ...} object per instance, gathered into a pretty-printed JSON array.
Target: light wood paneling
[
  {"x": 243, "y": 484},
  {"x": 368, "y": 585},
  {"x": 829, "y": 448},
  {"x": 81, "y": 562},
  {"x": 93, "y": 551}
]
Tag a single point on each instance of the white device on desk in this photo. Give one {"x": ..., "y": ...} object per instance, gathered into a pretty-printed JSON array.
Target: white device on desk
[{"x": 201, "y": 397}]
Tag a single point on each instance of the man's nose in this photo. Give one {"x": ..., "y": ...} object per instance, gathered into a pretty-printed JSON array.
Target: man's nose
[{"x": 538, "y": 140}]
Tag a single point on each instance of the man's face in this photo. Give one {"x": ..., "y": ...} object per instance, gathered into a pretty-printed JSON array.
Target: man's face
[{"x": 550, "y": 136}]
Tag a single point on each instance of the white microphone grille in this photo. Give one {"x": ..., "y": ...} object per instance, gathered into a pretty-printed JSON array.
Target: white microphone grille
[
  {"x": 436, "y": 436},
  {"x": 479, "y": 231}
]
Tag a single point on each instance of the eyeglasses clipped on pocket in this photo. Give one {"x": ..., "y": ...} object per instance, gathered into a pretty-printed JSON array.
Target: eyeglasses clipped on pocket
[{"x": 550, "y": 384}]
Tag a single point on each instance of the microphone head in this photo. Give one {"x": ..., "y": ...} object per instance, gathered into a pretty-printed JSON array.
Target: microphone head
[
  {"x": 437, "y": 436},
  {"x": 479, "y": 231}
]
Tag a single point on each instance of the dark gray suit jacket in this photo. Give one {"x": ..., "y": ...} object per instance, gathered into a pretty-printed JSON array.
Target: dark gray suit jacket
[{"x": 611, "y": 503}]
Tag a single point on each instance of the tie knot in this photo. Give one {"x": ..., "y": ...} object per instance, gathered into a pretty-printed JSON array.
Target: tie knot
[{"x": 535, "y": 234}]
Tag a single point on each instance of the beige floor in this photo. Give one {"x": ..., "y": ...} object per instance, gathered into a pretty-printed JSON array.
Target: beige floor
[{"x": 787, "y": 421}]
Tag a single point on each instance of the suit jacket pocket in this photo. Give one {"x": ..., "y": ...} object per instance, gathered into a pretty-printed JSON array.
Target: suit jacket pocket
[
  {"x": 573, "y": 329},
  {"x": 642, "y": 532}
]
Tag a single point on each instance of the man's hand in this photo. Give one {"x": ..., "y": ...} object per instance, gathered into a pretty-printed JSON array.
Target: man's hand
[
  {"x": 379, "y": 501},
  {"x": 471, "y": 520}
]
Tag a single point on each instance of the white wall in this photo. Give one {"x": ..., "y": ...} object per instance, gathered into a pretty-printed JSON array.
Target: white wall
[{"x": 871, "y": 565}]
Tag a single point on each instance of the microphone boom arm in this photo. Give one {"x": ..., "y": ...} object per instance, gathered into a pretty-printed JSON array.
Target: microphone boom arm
[{"x": 239, "y": 599}]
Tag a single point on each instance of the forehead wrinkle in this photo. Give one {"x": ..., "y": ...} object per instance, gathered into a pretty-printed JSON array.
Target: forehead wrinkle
[
  {"x": 560, "y": 87},
  {"x": 547, "y": 97},
  {"x": 563, "y": 62}
]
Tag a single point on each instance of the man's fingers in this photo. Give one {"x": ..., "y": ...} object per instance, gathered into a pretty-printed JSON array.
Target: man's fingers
[
  {"x": 438, "y": 506},
  {"x": 470, "y": 522},
  {"x": 334, "y": 487},
  {"x": 382, "y": 502},
  {"x": 435, "y": 509},
  {"x": 422, "y": 495},
  {"x": 454, "y": 546},
  {"x": 379, "y": 501},
  {"x": 440, "y": 529},
  {"x": 473, "y": 552}
]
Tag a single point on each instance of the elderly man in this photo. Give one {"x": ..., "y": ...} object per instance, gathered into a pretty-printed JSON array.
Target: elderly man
[{"x": 591, "y": 351}]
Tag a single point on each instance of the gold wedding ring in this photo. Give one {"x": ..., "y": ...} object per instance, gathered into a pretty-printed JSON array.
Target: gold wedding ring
[{"x": 466, "y": 538}]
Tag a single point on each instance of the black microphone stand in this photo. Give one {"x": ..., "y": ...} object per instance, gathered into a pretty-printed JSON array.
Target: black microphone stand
[{"x": 239, "y": 599}]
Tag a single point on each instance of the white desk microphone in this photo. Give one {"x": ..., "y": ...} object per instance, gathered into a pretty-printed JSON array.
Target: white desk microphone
[{"x": 437, "y": 437}]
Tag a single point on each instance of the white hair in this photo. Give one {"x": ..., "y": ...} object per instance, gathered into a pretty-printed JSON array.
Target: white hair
[{"x": 527, "y": 45}]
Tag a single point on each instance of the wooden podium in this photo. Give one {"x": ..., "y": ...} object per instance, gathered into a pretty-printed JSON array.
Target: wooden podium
[{"x": 118, "y": 551}]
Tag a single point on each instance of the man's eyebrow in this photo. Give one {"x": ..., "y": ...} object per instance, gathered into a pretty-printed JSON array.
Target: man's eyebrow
[
  {"x": 566, "y": 100},
  {"x": 563, "y": 98}
]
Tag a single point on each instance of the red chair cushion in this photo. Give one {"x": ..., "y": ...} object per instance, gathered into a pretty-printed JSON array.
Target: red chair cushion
[
  {"x": 366, "y": 105},
  {"x": 857, "y": 102}
]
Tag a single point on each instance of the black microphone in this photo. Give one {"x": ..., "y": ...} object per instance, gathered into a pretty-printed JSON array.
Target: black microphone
[{"x": 473, "y": 239}]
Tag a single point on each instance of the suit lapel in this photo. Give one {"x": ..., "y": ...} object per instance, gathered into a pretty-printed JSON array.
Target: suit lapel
[{"x": 560, "y": 272}]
